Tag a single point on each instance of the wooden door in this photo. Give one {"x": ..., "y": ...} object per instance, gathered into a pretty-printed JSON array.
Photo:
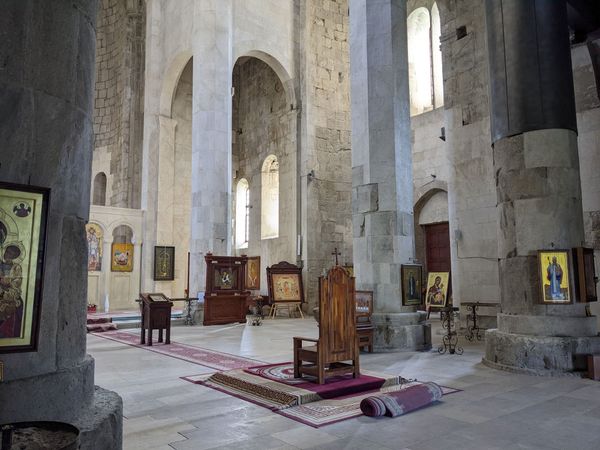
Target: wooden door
[{"x": 437, "y": 240}]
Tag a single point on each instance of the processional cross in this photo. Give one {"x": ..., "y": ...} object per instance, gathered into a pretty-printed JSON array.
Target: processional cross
[{"x": 336, "y": 254}]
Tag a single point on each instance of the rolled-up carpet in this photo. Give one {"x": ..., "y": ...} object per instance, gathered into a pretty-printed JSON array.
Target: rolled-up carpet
[{"x": 396, "y": 403}]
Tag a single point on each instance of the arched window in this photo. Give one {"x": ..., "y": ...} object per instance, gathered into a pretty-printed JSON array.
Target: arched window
[
  {"x": 270, "y": 198},
  {"x": 242, "y": 214},
  {"x": 122, "y": 234},
  {"x": 419, "y": 61},
  {"x": 99, "y": 193},
  {"x": 438, "y": 79}
]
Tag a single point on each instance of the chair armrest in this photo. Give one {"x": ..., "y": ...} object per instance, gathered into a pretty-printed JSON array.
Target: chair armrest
[{"x": 305, "y": 339}]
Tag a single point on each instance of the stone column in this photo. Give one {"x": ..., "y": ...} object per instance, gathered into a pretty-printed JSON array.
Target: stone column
[
  {"x": 106, "y": 273},
  {"x": 46, "y": 139},
  {"x": 534, "y": 135},
  {"x": 382, "y": 167},
  {"x": 211, "y": 137}
]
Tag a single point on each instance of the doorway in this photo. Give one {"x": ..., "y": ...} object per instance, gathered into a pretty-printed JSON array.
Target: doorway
[{"x": 437, "y": 242}]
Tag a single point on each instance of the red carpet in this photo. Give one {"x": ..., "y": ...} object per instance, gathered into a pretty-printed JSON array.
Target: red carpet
[
  {"x": 189, "y": 353},
  {"x": 334, "y": 387}
]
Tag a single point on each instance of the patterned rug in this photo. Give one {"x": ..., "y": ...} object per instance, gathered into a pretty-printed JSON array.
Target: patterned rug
[
  {"x": 333, "y": 387},
  {"x": 189, "y": 353},
  {"x": 290, "y": 398}
]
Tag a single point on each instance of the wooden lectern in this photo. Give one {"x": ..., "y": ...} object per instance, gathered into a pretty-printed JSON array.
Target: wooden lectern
[{"x": 156, "y": 315}]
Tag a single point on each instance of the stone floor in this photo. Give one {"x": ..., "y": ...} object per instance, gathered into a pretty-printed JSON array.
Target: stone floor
[{"x": 496, "y": 410}]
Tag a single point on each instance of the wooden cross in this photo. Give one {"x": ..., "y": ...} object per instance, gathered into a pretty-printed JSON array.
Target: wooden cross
[{"x": 336, "y": 253}]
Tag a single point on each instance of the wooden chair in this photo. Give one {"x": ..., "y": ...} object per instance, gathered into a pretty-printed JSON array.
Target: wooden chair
[
  {"x": 364, "y": 325},
  {"x": 336, "y": 351}
]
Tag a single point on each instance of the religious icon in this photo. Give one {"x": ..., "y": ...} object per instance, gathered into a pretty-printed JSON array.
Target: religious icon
[
  {"x": 122, "y": 258},
  {"x": 23, "y": 211},
  {"x": 95, "y": 238},
  {"x": 554, "y": 271},
  {"x": 225, "y": 278},
  {"x": 286, "y": 287},
  {"x": 164, "y": 263},
  {"x": 253, "y": 273},
  {"x": 411, "y": 280},
  {"x": 437, "y": 289}
]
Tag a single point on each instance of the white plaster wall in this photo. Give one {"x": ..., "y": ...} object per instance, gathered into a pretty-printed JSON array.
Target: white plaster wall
[
  {"x": 216, "y": 33},
  {"x": 430, "y": 153},
  {"x": 435, "y": 210},
  {"x": 122, "y": 288}
]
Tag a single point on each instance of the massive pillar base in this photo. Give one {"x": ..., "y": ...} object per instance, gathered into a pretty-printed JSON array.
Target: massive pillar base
[
  {"x": 541, "y": 345},
  {"x": 101, "y": 425},
  {"x": 401, "y": 332},
  {"x": 69, "y": 396}
]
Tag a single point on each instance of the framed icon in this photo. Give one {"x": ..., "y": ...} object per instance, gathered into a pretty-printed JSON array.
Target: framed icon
[
  {"x": 23, "y": 219},
  {"x": 164, "y": 263}
]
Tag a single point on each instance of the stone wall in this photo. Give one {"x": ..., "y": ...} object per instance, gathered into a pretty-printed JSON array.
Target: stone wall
[
  {"x": 46, "y": 140},
  {"x": 263, "y": 124},
  {"x": 588, "y": 126},
  {"x": 430, "y": 173},
  {"x": 175, "y": 181},
  {"x": 472, "y": 190},
  {"x": 119, "y": 92},
  {"x": 327, "y": 103}
]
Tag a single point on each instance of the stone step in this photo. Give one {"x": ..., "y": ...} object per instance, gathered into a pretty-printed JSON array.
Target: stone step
[
  {"x": 98, "y": 320},
  {"x": 100, "y": 327}
]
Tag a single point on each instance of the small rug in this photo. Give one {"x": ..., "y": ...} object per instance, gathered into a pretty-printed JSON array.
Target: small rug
[
  {"x": 333, "y": 387},
  {"x": 293, "y": 400},
  {"x": 189, "y": 353}
]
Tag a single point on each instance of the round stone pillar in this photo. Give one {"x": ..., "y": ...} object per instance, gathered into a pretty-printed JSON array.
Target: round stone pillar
[
  {"x": 46, "y": 134},
  {"x": 533, "y": 127}
]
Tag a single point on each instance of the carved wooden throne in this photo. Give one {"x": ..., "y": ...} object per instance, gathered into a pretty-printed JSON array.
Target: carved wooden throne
[{"x": 336, "y": 351}]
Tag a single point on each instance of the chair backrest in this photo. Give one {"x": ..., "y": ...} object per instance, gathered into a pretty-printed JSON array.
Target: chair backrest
[
  {"x": 337, "y": 310},
  {"x": 364, "y": 304}
]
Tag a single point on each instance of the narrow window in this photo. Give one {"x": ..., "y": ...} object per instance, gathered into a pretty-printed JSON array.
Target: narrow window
[
  {"x": 242, "y": 214},
  {"x": 99, "y": 194},
  {"x": 419, "y": 61},
  {"x": 436, "y": 51},
  {"x": 270, "y": 198}
]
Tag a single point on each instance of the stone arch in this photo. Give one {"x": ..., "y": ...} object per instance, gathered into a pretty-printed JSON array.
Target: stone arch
[
  {"x": 423, "y": 194},
  {"x": 123, "y": 233},
  {"x": 122, "y": 223},
  {"x": 278, "y": 68},
  {"x": 423, "y": 197},
  {"x": 171, "y": 81}
]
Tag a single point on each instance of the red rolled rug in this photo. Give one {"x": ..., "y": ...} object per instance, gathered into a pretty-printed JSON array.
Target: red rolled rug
[{"x": 396, "y": 403}]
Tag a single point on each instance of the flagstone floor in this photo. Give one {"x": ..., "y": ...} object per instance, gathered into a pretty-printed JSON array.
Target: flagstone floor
[{"x": 496, "y": 410}]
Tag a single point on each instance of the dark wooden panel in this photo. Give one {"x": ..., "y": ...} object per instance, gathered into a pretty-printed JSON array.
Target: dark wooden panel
[
  {"x": 222, "y": 309},
  {"x": 437, "y": 239}
]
